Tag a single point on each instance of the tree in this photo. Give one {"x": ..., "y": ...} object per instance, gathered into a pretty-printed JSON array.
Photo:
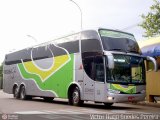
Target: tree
[{"x": 151, "y": 21}]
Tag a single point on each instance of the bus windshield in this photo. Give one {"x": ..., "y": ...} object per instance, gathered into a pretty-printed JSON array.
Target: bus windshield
[
  {"x": 128, "y": 70},
  {"x": 118, "y": 41}
]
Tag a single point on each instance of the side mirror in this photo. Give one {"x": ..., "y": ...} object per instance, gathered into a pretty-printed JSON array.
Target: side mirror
[
  {"x": 110, "y": 61},
  {"x": 153, "y": 61}
]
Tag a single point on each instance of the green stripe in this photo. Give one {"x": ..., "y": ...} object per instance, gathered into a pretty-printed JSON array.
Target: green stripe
[
  {"x": 58, "y": 82},
  {"x": 128, "y": 90}
]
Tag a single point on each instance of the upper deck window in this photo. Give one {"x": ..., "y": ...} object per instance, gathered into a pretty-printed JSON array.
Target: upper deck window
[{"x": 118, "y": 41}]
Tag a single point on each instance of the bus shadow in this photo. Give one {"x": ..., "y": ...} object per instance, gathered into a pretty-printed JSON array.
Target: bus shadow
[{"x": 116, "y": 106}]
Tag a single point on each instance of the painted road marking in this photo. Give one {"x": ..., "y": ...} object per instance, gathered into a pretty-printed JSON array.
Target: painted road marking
[
  {"x": 80, "y": 111},
  {"x": 31, "y": 112},
  {"x": 65, "y": 117}
]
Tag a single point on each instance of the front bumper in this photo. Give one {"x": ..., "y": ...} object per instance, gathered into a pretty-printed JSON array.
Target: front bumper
[{"x": 117, "y": 98}]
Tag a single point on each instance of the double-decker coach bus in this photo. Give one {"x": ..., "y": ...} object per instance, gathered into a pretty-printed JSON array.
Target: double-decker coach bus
[{"x": 99, "y": 65}]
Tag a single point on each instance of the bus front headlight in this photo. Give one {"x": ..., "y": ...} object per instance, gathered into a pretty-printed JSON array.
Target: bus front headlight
[{"x": 110, "y": 98}]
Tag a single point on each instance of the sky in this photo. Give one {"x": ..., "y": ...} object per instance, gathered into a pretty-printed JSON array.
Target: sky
[{"x": 25, "y": 23}]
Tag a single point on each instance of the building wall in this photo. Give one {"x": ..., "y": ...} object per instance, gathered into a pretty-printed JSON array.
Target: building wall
[{"x": 153, "y": 82}]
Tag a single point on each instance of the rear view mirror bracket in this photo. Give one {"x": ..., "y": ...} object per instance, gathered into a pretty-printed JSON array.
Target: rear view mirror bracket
[{"x": 153, "y": 61}]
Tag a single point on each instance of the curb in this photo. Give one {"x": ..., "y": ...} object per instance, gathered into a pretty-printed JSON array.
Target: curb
[{"x": 146, "y": 103}]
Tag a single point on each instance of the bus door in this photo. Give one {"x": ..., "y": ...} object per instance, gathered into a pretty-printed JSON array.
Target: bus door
[
  {"x": 94, "y": 78},
  {"x": 89, "y": 87},
  {"x": 99, "y": 78}
]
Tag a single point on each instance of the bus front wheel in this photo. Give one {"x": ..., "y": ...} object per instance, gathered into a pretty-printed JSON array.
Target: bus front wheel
[
  {"x": 75, "y": 97},
  {"x": 108, "y": 104}
]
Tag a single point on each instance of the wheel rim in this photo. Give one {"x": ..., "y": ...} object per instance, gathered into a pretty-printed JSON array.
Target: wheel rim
[
  {"x": 22, "y": 93},
  {"x": 75, "y": 97},
  {"x": 16, "y": 92}
]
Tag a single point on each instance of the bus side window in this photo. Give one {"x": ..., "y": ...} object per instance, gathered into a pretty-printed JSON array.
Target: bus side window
[
  {"x": 88, "y": 64},
  {"x": 99, "y": 68},
  {"x": 91, "y": 45}
]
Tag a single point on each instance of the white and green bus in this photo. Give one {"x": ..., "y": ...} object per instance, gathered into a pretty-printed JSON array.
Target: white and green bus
[{"x": 100, "y": 65}]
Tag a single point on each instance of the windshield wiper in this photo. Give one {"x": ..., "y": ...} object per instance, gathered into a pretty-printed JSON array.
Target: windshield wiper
[
  {"x": 136, "y": 75},
  {"x": 118, "y": 49},
  {"x": 122, "y": 50},
  {"x": 133, "y": 51}
]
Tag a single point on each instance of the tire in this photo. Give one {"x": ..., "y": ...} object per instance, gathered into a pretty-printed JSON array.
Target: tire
[
  {"x": 23, "y": 95},
  {"x": 16, "y": 92},
  {"x": 48, "y": 99},
  {"x": 75, "y": 97},
  {"x": 108, "y": 104}
]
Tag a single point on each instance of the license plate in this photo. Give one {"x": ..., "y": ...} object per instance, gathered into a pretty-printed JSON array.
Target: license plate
[{"x": 131, "y": 98}]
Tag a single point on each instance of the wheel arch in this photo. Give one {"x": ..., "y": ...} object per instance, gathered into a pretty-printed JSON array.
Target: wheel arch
[
  {"x": 71, "y": 88},
  {"x": 22, "y": 84},
  {"x": 14, "y": 86}
]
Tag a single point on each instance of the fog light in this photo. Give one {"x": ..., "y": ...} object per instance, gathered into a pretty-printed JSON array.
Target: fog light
[{"x": 110, "y": 98}]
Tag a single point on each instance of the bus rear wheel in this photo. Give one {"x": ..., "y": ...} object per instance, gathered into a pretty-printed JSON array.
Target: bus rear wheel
[
  {"x": 75, "y": 97},
  {"x": 16, "y": 92},
  {"x": 23, "y": 95}
]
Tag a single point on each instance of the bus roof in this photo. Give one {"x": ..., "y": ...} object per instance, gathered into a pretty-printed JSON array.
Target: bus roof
[{"x": 89, "y": 29}]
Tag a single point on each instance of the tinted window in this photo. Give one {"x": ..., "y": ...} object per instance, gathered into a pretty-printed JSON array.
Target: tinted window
[
  {"x": 88, "y": 64},
  {"x": 118, "y": 41},
  {"x": 122, "y": 44},
  {"x": 71, "y": 47},
  {"x": 41, "y": 52},
  {"x": 127, "y": 70},
  {"x": 91, "y": 45},
  {"x": 99, "y": 68},
  {"x": 70, "y": 43},
  {"x": 16, "y": 57},
  {"x": 94, "y": 68}
]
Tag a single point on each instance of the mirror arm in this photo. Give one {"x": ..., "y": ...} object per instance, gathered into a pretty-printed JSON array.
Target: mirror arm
[{"x": 154, "y": 62}]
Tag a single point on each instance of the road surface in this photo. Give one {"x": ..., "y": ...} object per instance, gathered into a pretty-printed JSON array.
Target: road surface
[{"x": 38, "y": 109}]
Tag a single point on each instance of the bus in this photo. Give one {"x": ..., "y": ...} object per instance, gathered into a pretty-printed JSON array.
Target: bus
[{"x": 99, "y": 65}]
